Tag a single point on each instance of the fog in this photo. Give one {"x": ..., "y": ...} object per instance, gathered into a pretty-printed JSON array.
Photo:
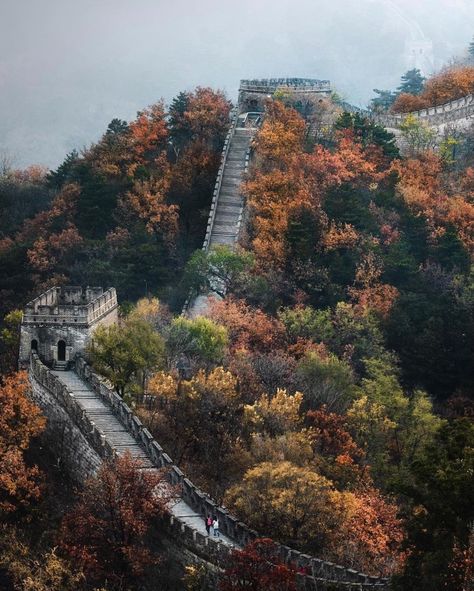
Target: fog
[{"x": 67, "y": 67}]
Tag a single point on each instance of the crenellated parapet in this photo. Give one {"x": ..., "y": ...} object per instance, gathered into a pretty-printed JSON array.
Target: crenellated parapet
[
  {"x": 59, "y": 323},
  {"x": 458, "y": 114},
  {"x": 254, "y": 93},
  {"x": 313, "y": 574}
]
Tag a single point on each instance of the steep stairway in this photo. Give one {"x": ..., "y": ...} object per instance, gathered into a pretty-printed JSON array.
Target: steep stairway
[
  {"x": 229, "y": 203},
  {"x": 122, "y": 441}
]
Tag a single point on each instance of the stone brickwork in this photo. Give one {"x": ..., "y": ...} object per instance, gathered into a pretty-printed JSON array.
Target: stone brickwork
[
  {"x": 86, "y": 452},
  {"x": 75, "y": 441},
  {"x": 455, "y": 116},
  {"x": 59, "y": 323},
  {"x": 254, "y": 93}
]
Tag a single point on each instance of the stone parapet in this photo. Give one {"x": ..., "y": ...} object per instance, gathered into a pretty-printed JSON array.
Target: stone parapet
[{"x": 312, "y": 569}]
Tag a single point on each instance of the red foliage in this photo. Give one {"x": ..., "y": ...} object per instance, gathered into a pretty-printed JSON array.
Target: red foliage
[
  {"x": 106, "y": 531},
  {"x": 20, "y": 420},
  {"x": 337, "y": 455},
  {"x": 258, "y": 567}
]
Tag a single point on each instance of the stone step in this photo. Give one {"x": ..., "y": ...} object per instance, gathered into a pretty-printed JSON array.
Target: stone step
[
  {"x": 224, "y": 225},
  {"x": 230, "y": 201},
  {"x": 221, "y": 239},
  {"x": 227, "y": 217}
]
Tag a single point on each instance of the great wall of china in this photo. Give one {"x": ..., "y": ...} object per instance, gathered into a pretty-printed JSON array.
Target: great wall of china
[{"x": 90, "y": 420}]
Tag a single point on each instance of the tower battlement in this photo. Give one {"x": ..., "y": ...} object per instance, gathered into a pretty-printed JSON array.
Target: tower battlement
[
  {"x": 253, "y": 93},
  {"x": 59, "y": 323}
]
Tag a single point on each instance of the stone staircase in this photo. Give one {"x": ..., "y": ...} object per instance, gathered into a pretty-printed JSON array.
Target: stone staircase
[
  {"x": 119, "y": 438},
  {"x": 60, "y": 365},
  {"x": 229, "y": 203}
]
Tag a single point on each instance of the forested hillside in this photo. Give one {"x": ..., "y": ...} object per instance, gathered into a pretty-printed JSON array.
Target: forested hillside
[{"x": 326, "y": 400}]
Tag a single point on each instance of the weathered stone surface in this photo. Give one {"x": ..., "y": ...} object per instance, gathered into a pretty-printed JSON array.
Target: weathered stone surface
[{"x": 59, "y": 323}]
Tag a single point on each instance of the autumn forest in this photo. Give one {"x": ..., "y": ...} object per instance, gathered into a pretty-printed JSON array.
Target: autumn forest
[{"x": 327, "y": 399}]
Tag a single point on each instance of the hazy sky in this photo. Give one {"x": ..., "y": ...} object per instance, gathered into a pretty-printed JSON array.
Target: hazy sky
[{"x": 67, "y": 67}]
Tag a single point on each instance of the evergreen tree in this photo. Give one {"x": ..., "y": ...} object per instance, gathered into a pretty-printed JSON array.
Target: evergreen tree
[
  {"x": 384, "y": 100},
  {"x": 412, "y": 82},
  {"x": 471, "y": 51}
]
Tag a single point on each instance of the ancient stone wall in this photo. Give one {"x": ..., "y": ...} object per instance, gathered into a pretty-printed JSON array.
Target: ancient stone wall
[
  {"x": 64, "y": 314},
  {"x": 76, "y": 443},
  {"x": 456, "y": 115}
]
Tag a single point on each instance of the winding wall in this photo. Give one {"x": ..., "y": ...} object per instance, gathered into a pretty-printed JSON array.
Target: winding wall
[
  {"x": 107, "y": 426},
  {"x": 457, "y": 114}
]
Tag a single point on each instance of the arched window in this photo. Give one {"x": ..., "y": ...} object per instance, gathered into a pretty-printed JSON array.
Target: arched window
[
  {"x": 34, "y": 345},
  {"x": 61, "y": 351}
]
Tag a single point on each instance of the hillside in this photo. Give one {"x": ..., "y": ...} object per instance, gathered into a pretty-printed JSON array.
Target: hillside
[{"x": 326, "y": 399}]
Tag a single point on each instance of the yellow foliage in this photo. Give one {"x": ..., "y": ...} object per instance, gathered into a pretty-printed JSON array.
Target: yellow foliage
[
  {"x": 163, "y": 384},
  {"x": 275, "y": 414}
]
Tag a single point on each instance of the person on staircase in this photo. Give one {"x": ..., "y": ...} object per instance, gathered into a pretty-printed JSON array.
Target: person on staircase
[
  {"x": 208, "y": 524},
  {"x": 215, "y": 525}
]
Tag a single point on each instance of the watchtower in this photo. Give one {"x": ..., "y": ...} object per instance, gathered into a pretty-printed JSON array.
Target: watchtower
[
  {"x": 254, "y": 93},
  {"x": 59, "y": 323}
]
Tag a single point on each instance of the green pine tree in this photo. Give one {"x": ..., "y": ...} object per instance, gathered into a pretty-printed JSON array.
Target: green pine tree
[
  {"x": 412, "y": 82},
  {"x": 471, "y": 50}
]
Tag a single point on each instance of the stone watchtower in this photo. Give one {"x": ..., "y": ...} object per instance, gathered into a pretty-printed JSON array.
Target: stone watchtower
[
  {"x": 59, "y": 323},
  {"x": 254, "y": 93}
]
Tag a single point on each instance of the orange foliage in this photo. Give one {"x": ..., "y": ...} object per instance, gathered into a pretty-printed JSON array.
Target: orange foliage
[
  {"x": 249, "y": 329},
  {"x": 148, "y": 200},
  {"x": 337, "y": 455},
  {"x": 46, "y": 252},
  {"x": 20, "y": 421},
  {"x": 370, "y": 536},
  {"x": 300, "y": 185},
  {"x": 421, "y": 185},
  {"x": 148, "y": 135},
  {"x": 368, "y": 293},
  {"x": 207, "y": 113},
  {"x": 281, "y": 135},
  {"x": 408, "y": 103},
  {"x": 341, "y": 236},
  {"x": 450, "y": 84}
]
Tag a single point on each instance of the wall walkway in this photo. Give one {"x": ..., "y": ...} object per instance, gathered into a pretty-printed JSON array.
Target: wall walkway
[{"x": 110, "y": 428}]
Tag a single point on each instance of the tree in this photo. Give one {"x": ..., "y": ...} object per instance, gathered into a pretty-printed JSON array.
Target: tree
[
  {"x": 370, "y": 535},
  {"x": 336, "y": 455},
  {"x": 290, "y": 503},
  {"x": 417, "y": 134},
  {"x": 450, "y": 84},
  {"x": 126, "y": 353},
  {"x": 325, "y": 380},
  {"x": 412, "y": 82},
  {"x": 249, "y": 329},
  {"x": 20, "y": 421},
  {"x": 442, "y": 508},
  {"x": 106, "y": 532},
  {"x": 471, "y": 50},
  {"x": 384, "y": 100},
  {"x": 275, "y": 415},
  {"x": 218, "y": 270},
  {"x": 258, "y": 567},
  {"x": 368, "y": 133},
  {"x": 200, "y": 338},
  {"x": 10, "y": 341},
  {"x": 23, "y": 568},
  {"x": 201, "y": 420}
]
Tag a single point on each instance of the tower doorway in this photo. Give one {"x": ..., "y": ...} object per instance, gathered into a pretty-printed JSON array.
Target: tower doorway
[{"x": 61, "y": 351}]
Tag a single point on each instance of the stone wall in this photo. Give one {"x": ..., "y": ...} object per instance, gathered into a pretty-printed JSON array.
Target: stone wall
[
  {"x": 75, "y": 441},
  {"x": 46, "y": 321},
  {"x": 83, "y": 448},
  {"x": 203, "y": 546},
  {"x": 456, "y": 115}
]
